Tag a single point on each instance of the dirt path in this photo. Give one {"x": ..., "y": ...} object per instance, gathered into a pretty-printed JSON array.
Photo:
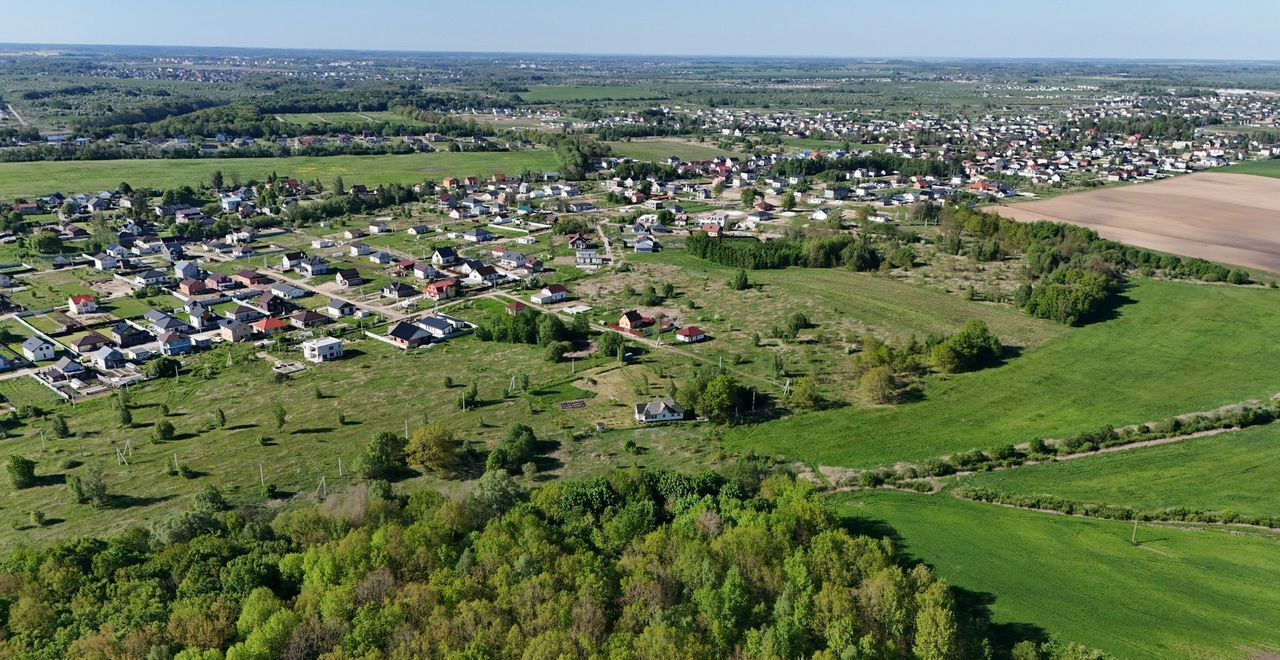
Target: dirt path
[{"x": 21, "y": 120}]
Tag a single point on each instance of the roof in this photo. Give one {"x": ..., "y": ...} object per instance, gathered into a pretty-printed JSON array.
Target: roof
[
  {"x": 35, "y": 343},
  {"x": 308, "y": 316},
  {"x": 633, "y": 316},
  {"x": 268, "y": 324},
  {"x": 446, "y": 252},
  {"x": 324, "y": 341},
  {"x": 691, "y": 331},
  {"x": 407, "y": 332},
  {"x": 76, "y": 300},
  {"x": 659, "y": 407},
  {"x": 556, "y": 288},
  {"x": 106, "y": 352},
  {"x": 338, "y": 304},
  {"x": 437, "y": 323}
]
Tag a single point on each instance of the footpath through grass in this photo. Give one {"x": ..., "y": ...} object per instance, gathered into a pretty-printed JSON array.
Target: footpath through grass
[
  {"x": 1176, "y": 348},
  {"x": 1178, "y": 594},
  {"x": 44, "y": 177},
  {"x": 1234, "y": 471}
]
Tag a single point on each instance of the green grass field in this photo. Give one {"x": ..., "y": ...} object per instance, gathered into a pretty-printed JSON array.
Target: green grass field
[
  {"x": 658, "y": 150},
  {"x": 1268, "y": 168},
  {"x": 1236, "y": 471},
  {"x": 1178, "y": 594},
  {"x": 304, "y": 118},
  {"x": 1176, "y": 348},
  {"x": 552, "y": 93},
  {"x": 40, "y": 178}
]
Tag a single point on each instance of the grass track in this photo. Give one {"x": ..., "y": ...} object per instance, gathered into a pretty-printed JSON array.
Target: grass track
[
  {"x": 1181, "y": 594},
  {"x": 1237, "y": 471},
  {"x": 42, "y": 178}
]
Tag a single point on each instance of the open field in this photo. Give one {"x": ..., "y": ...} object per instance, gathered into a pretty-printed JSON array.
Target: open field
[
  {"x": 304, "y": 118},
  {"x": 589, "y": 93},
  {"x": 377, "y": 388},
  {"x": 1220, "y": 217},
  {"x": 1175, "y": 348},
  {"x": 1268, "y": 168},
  {"x": 1234, "y": 471},
  {"x": 1178, "y": 594},
  {"x": 660, "y": 149},
  {"x": 840, "y": 305},
  {"x": 41, "y": 178}
]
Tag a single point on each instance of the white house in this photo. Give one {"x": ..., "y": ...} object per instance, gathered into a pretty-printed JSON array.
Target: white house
[
  {"x": 550, "y": 294},
  {"x": 324, "y": 349},
  {"x": 659, "y": 410},
  {"x": 37, "y": 350}
]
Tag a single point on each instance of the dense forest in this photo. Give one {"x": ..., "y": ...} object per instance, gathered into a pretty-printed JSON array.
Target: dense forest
[{"x": 632, "y": 565}]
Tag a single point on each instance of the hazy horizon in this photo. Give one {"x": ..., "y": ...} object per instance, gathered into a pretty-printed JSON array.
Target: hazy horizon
[{"x": 821, "y": 29}]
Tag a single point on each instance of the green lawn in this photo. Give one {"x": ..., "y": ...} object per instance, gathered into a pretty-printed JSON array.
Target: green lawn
[
  {"x": 1268, "y": 168},
  {"x": 377, "y": 387},
  {"x": 1237, "y": 471},
  {"x": 24, "y": 391},
  {"x": 38, "y": 178},
  {"x": 1176, "y": 348},
  {"x": 1179, "y": 594},
  {"x": 658, "y": 150}
]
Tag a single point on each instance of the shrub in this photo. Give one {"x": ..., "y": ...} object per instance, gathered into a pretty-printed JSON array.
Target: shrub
[{"x": 22, "y": 472}]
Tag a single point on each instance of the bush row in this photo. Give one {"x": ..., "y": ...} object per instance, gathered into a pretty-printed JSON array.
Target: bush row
[{"x": 1112, "y": 512}]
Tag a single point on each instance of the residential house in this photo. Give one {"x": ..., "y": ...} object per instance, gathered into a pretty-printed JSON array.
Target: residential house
[
  {"x": 163, "y": 322},
  {"x": 483, "y": 275},
  {"x": 288, "y": 291},
  {"x": 234, "y": 331},
  {"x": 243, "y": 314},
  {"x": 186, "y": 270},
  {"x": 398, "y": 291},
  {"x": 425, "y": 271},
  {"x": 381, "y": 258},
  {"x": 442, "y": 290},
  {"x": 690, "y": 335},
  {"x": 477, "y": 235},
  {"x": 88, "y": 343},
  {"x": 104, "y": 261},
  {"x": 348, "y": 277},
  {"x": 419, "y": 230},
  {"x": 442, "y": 327},
  {"x": 151, "y": 277},
  {"x": 270, "y": 326},
  {"x": 251, "y": 278},
  {"x": 358, "y": 249},
  {"x": 274, "y": 305},
  {"x": 36, "y": 349},
  {"x": 550, "y": 294},
  {"x": 632, "y": 320},
  {"x": 647, "y": 244},
  {"x": 107, "y": 358},
  {"x": 320, "y": 350},
  {"x": 313, "y": 266},
  {"x": 579, "y": 242},
  {"x": 191, "y": 287},
  {"x": 82, "y": 304},
  {"x": 377, "y": 227},
  {"x": 659, "y": 410},
  {"x": 173, "y": 343},
  {"x": 511, "y": 259},
  {"x": 290, "y": 260},
  {"x": 220, "y": 282},
  {"x": 308, "y": 319},
  {"x": 445, "y": 256},
  {"x": 590, "y": 257},
  {"x": 125, "y": 335},
  {"x": 408, "y": 335},
  {"x": 339, "y": 308}
]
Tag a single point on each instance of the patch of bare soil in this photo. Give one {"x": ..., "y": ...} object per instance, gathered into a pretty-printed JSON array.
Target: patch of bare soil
[{"x": 1229, "y": 218}]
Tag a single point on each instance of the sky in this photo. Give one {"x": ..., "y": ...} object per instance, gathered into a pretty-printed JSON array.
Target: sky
[{"x": 1121, "y": 29}]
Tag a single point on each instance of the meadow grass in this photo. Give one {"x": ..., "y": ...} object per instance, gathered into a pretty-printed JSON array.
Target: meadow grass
[
  {"x": 41, "y": 178},
  {"x": 1234, "y": 471},
  {"x": 659, "y": 150},
  {"x": 1174, "y": 348},
  {"x": 552, "y": 93},
  {"x": 1267, "y": 168},
  {"x": 1179, "y": 593}
]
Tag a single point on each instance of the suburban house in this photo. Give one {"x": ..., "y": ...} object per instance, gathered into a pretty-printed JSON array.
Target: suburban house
[
  {"x": 89, "y": 343},
  {"x": 647, "y": 244},
  {"x": 288, "y": 291},
  {"x": 186, "y": 270},
  {"x": 358, "y": 249},
  {"x": 107, "y": 358},
  {"x": 408, "y": 335},
  {"x": 151, "y": 277},
  {"x": 590, "y": 257},
  {"x": 290, "y": 260},
  {"x": 445, "y": 256},
  {"x": 381, "y": 258},
  {"x": 550, "y": 294},
  {"x": 348, "y": 277},
  {"x": 425, "y": 271},
  {"x": 37, "y": 350},
  {"x": 313, "y": 266},
  {"x": 220, "y": 282},
  {"x": 510, "y": 259},
  {"x": 690, "y": 334},
  {"x": 419, "y": 230},
  {"x": 104, "y": 261},
  {"x": 233, "y": 331},
  {"x": 190, "y": 287},
  {"x": 377, "y": 227},
  {"x": 270, "y": 326},
  {"x": 251, "y": 278},
  {"x": 632, "y": 320},
  {"x": 477, "y": 235},
  {"x": 324, "y": 349},
  {"x": 398, "y": 290},
  {"x": 243, "y": 314},
  {"x": 272, "y": 304},
  {"x": 308, "y": 319},
  {"x": 82, "y": 304},
  {"x": 579, "y": 242},
  {"x": 484, "y": 274},
  {"x": 339, "y": 308},
  {"x": 660, "y": 410},
  {"x": 173, "y": 343},
  {"x": 125, "y": 335},
  {"x": 442, "y": 290},
  {"x": 441, "y": 326}
]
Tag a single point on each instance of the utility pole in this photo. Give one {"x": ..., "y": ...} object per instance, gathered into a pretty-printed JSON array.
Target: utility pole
[{"x": 1133, "y": 539}]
